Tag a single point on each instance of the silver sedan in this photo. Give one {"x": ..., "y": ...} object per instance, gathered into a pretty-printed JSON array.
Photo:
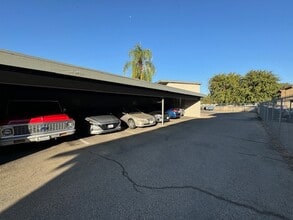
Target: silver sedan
[{"x": 103, "y": 124}]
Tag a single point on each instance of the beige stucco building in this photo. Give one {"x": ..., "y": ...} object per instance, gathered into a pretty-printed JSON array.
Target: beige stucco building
[
  {"x": 191, "y": 109},
  {"x": 287, "y": 97},
  {"x": 288, "y": 91}
]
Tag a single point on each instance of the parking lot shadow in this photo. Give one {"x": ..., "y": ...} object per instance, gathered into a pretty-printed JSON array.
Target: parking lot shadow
[{"x": 186, "y": 169}]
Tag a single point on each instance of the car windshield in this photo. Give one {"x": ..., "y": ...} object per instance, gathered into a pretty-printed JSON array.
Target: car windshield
[
  {"x": 20, "y": 109},
  {"x": 131, "y": 110}
]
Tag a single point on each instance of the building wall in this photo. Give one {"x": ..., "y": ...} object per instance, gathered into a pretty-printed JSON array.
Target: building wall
[
  {"x": 287, "y": 95},
  {"x": 287, "y": 92},
  {"x": 189, "y": 87},
  {"x": 192, "y": 109}
]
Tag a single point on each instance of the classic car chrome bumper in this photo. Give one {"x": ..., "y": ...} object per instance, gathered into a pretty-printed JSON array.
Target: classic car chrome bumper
[{"x": 34, "y": 138}]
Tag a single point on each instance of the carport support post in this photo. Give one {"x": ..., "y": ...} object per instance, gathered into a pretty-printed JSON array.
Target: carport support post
[
  {"x": 163, "y": 106},
  {"x": 290, "y": 109}
]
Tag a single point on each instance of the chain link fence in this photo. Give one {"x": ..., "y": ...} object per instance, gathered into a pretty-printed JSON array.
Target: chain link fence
[
  {"x": 277, "y": 115},
  {"x": 229, "y": 108}
]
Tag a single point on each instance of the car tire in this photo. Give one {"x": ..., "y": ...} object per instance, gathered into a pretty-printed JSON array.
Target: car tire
[{"x": 131, "y": 123}]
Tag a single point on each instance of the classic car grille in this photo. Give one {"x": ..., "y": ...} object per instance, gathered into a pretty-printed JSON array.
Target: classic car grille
[
  {"x": 106, "y": 126},
  {"x": 22, "y": 129},
  {"x": 39, "y": 128}
]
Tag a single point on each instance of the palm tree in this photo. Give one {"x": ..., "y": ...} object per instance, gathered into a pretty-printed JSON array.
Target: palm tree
[{"x": 141, "y": 65}]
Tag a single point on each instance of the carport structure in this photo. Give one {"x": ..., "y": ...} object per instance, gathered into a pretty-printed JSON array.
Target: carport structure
[{"x": 27, "y": 77}]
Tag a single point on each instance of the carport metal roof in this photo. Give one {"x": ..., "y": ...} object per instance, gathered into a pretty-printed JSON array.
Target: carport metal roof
[
  {"x": 20, "y": 69},
  {"x": 165, "y": 82}
]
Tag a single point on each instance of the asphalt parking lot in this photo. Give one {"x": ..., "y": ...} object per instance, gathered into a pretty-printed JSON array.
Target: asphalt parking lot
[{"x": 221, "y": 166}]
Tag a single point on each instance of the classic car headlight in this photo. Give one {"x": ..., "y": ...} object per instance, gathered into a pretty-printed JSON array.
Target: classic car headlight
[
  {"x": 70, "y": 124},
  {"x": 6, "y": 132}
]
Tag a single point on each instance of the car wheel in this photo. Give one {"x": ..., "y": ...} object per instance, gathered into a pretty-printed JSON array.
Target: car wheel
[{"x": 131, "y": 123}]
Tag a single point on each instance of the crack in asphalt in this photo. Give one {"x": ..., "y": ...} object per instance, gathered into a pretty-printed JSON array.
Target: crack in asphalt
[
  {"x": 248, "y": 154},
  {"x": 248, "y": 140},
  {"x": 219, "y": 197},
  {"x": 264, "y": 157}
]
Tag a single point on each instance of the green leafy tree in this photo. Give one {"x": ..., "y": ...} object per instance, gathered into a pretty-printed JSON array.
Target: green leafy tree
[
  {"x": 207, "y": 100},
  {"x": 141, "y": 64},
  {"x": 260, "y": 86},
  {"x": 226, "y": 88},
  {"x": 255, "y": 86}
]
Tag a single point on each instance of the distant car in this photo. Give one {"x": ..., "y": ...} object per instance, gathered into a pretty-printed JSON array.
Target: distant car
[
  {"x": 174, "y": 113},
  {"x": 158, "y": 116},
  {"x": 136, "y": 118},
  {"x": 181, "y": 111},
  {"x": 103, "y": 124},
  {"x": 209, "y": 108},
  {"x": 286, "y": 113}
]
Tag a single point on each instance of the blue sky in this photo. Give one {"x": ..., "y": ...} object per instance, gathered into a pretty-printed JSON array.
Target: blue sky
[{"x": 191, "y": 40}]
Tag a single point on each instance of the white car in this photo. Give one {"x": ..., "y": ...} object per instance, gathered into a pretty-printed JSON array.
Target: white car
[
  {"x": 138, "y": 119},
  {"x": 181, "y": 111},
  {"x": 158, "y": 116}
]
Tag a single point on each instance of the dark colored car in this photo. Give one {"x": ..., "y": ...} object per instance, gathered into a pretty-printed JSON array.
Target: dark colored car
[{"x": 173, "y": 113}]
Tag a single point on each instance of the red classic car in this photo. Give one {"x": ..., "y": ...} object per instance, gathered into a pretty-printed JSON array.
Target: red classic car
[{"x": 32, "y": 121}]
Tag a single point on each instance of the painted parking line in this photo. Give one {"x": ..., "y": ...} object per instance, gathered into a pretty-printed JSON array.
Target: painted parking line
[{"x": 83, "y": 141}]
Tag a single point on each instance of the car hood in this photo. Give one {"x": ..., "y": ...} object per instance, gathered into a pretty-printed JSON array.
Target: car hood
[
  {"x": 102, "y": 119},
  {"x": 140, "y": 115},
  {"x": 38, "y": 119}
]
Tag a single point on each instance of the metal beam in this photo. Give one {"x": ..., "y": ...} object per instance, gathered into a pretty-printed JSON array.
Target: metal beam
[
  {"x": 55, "y": 81},
  {"x": 163, "y": 110}
]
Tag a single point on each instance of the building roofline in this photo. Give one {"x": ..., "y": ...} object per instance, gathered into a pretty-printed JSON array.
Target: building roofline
[
  {"x": 165, "y": 82},
  {"x": 288, "y": 87},
  {"x": 20, "y": 60}
]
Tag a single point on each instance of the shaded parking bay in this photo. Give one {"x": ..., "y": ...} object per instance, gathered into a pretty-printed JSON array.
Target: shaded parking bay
[{"x": 220, "y": 167}]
